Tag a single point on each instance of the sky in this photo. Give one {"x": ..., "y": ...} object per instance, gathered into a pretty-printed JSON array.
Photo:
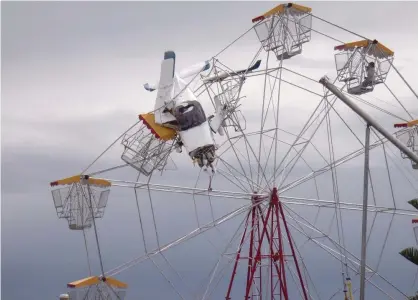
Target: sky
[{"x": 72, "y": 76}]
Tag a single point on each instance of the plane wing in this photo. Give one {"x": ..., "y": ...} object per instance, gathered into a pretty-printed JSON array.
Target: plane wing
[
  {"x": 194, "y": 69},
  {"x": 184, "y": 74},
  {"x": 223, "y": 75},
  {"x": 165, "y": 87}
]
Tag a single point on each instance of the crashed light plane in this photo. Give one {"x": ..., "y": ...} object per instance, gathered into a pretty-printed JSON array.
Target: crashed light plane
[{"x": 178, "y": 112}]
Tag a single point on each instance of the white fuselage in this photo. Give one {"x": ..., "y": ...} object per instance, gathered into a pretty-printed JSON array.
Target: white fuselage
[{"x": 196, "y": 137}]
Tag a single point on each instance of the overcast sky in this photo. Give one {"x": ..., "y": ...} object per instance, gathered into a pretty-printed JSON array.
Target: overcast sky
[{"x": 72, "y": 76}]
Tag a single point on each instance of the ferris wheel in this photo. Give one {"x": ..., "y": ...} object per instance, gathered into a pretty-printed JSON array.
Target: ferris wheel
[{"x": 294, "y": 183}]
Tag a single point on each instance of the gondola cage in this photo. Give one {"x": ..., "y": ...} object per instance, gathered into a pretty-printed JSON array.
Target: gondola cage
[
  {"x": 79, "y": 199},
  {"x": 148, "y": 148},
  {"x": 354, "y": 60},
  {"x": 97, "y": 288},
  {"x": 408, "y": 136},
  {"x": 284, "y": 29}
]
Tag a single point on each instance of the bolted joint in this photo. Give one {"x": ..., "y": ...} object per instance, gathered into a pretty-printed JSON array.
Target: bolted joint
[
  {"x": 276, "y": 256},
  {"x": 84, "y": 179},
  {"x": 255, "y": 199},
  {"x": 274, "y": 197},
  {"x": 257, "y": 258}
]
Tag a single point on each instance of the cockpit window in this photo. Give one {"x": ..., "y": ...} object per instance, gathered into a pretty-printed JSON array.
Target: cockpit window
[{"x": 190, "y": 114}]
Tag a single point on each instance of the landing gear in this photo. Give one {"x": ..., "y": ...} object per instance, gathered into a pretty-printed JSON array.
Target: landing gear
[{"x": 204, "y": 156}]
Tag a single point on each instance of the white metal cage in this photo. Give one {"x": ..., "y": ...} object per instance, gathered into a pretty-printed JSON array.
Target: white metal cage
[
  {"x": 352, "y": 64},
  {"x": 73, "y": 203},
  {"x": 416, "y": 233},
  {"x": 229, "y": 97},
  {"x": 285, "y": 33},
  {"x": 145, "y": 152},
  {"x": 100, "y": 291},
  {"x": 409, "y": 137}
]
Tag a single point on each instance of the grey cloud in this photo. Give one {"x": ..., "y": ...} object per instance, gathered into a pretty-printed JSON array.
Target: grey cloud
[
  {"x": 107, "y": 25},
  {"x": 50, "y": 28}
]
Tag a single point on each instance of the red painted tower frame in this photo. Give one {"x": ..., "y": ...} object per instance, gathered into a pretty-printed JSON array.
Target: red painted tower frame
[{"x": 268, "y": 227}]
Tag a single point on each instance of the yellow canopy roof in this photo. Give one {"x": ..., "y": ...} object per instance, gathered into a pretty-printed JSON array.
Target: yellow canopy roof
[
  {"x": 159, "y": 131},
  {"x": 407, "y": 124},
  {"x": 377, "y": 49},
  {"x": 294, "y": 8},
  {"x": 77, "y": 179},
  {"x": 93, "y": 280}
]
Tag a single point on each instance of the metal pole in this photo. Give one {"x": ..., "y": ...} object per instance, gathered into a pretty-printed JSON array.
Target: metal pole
[
  {"x": 94, "y": 225},
  {"x": 364, "y": 221},
  {"x": 369, "y": 120}
]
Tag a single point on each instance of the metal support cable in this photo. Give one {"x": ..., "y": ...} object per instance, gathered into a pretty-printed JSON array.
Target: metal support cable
[
  {"x": 340, "y": 27},
  {"x": 95, "y": 230},
  {"x": 87, "y": 251}
]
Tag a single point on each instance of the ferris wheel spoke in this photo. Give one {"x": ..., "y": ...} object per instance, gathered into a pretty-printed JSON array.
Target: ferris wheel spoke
[
  {"x": 389, "y": 177},
  {"x": 403, "y": 170},
  {"x": 297, "y": 157},
  {"x": 266, "y": 114},
  {"x": 290, "y": 239},
  {"x": 340, "y": 248},
  {"x": 292, "y": 163},
  {"x": 249, "y": 148},
  {"x": 212, "y": 215},
  {"x": 234, "y": 149},
  {"x": 346, "y": 206},
  {"x": 262, "y": 116},
  {"x": 300, "y": 153},
  {"x": 153, "y": 214},
  {"x": 166, "y": 278},
  {"x": 350, "y": 256},
  {"x": 293, "y": 276},
  {"x": 384, "y": 245},
  {"x": 304, "y": 129},
  {"x": 336, "y": 193},
  {"x": 271, "y": 97},
  {"x": 327, "y": 167},
  {"x": 140, "y": 220},
  {"x": 248, "y": 160},
  {"x": 184, "y": 238},
  {"x": 249, "y": 178},
  {"x": 237, "y": 181},
  {"x": 161, "y": 254},
  {"x": 276, "y": 119},
  {"x": 296, "y": 85},
  {"x": 157, "y": 237},
  {"x": 245, "y": 236},
  {"x": 184, "y": 189},
  {"x": 213, "y": 271},
  {"x": 337, "y": 255},
  {"x": 263, "y": 169},
  {"x": 213, "y": 193},
  {"x": 355, "y": 97}
]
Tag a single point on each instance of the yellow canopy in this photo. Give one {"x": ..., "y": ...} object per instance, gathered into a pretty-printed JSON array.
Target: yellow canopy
[
  {"x": 377, "y": 49},
  {"x": 93, "y": 280},
  {"x": 159, "y": 131},
  {"x": 407, "y": 124},
  {"x": 294, "y": 8},
  {"x": 77, "y": 179}
]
